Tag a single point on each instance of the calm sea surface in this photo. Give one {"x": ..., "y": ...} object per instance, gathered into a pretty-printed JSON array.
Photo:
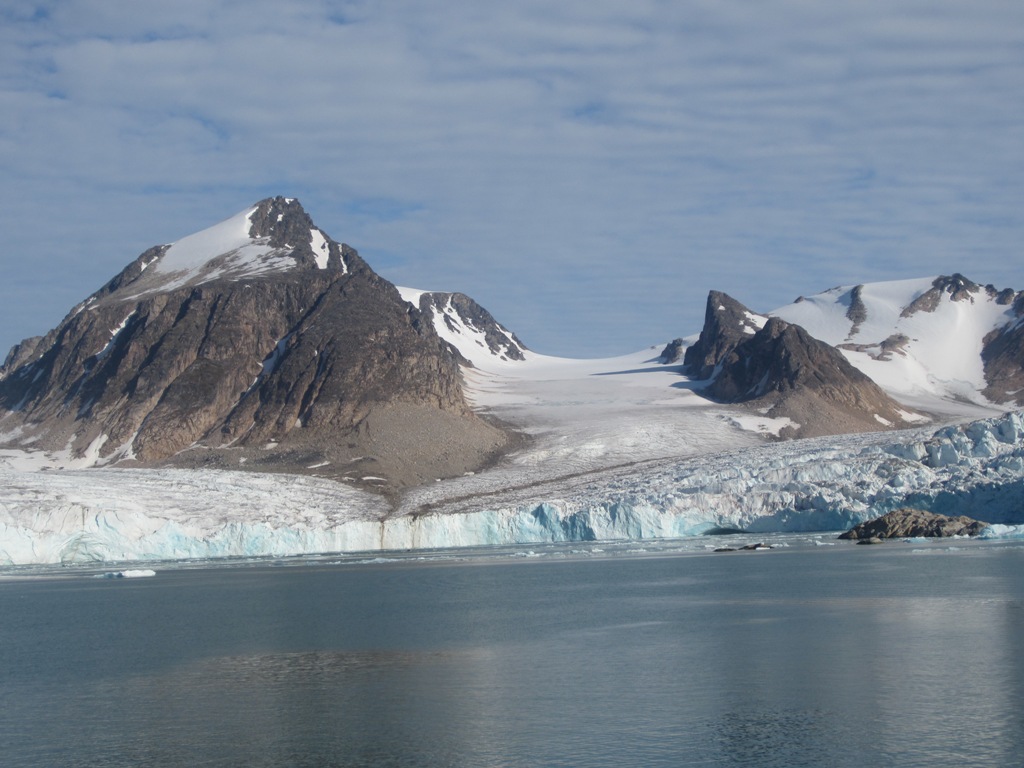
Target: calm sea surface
[{"x": 895, "y": 655}]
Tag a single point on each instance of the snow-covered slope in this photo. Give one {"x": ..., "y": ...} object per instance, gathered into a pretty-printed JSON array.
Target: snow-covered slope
[
  {"x": 471, "y": 329},
  {"x": 920, "y": 340}
]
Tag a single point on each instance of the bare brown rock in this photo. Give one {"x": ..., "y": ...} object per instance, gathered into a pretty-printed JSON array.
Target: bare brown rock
[{"x": 912, "y": 523}]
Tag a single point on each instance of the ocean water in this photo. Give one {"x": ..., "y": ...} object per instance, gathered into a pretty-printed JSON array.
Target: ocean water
[{"x": 906, "y": 654}]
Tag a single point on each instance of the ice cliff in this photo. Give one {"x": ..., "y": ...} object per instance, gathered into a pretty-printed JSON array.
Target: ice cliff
[{"x": 976, "y": 469}]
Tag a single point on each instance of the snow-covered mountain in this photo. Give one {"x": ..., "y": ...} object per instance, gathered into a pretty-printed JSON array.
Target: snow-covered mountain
[
  {"x": 262, "y": 344},
  {"x": 925, "y": 340}
]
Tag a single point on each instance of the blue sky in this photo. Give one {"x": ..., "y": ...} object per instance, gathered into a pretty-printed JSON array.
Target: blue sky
[{"x": 586, "y": 170}]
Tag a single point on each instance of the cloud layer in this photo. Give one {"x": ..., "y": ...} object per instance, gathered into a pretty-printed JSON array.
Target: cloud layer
[{"x": 586, "y": 170}]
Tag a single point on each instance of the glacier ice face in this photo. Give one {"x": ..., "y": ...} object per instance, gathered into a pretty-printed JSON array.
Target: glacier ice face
[{"x": 976, "y": 469}]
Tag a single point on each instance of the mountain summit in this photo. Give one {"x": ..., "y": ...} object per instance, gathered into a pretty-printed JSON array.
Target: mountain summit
[
  {"x": 778, "y": 369},
  {"x": 257, "y": 343}
]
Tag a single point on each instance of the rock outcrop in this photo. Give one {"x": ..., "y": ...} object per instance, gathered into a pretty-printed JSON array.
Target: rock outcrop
[
  {"x": 727, "y": 324},
  {"x": 1003, "y": 356},
  {"x": 673, "y": 352},
  {"x": 956, "y": 285},
  {"x": 912, "y": 523}
]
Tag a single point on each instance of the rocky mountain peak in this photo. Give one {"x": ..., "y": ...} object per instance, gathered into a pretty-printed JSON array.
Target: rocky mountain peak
[
  {"x": 282, "y": 223},
  {"x": 726, "y": 324},
  {"x": 958, "y": 288},
  {"x": 273, "y": 238},
  {"x": 779, "y": 369},
  {"x": 282, "y": 219}
]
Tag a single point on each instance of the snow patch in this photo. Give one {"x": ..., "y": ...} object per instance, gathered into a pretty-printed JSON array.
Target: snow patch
[
  {"x": 114, "y": 333},
  {"x": 321, "y": 249},
  {"x": 193, "y": 252}
]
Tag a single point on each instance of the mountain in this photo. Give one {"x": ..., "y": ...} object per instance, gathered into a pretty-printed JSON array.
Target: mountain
[
  {"x": 259, "y": 343},
  {"x": 925, "y": 340},
  {"x": 779, "y": 369}
]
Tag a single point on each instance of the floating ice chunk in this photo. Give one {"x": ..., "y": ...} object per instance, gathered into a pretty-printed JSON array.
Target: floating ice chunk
[
  {"x": 136, "y": 573},
  {"x": 999, "y": 531}
]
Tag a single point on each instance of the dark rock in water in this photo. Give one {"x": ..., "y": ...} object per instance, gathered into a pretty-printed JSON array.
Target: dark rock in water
[
  {"x": 872, "y": 540},
  {"x": 722, "y": 531},
  {"x": 912, "y": 523}
]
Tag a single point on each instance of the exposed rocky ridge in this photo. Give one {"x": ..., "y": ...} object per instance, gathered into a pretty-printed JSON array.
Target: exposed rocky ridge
[
  {"x": 461, "y": 315},
  {"x": 782, "y": 371},
  {"x": 857, "y": 313},
  {"x": 20, "y": 353},
  {"x": 912, "y": 523},
  {"x": 1003, "y": 356},
  {"x": 884, "y": 350},
  {"x": 956, "y": 285},
  {"x": 947, "y": 335},
  {"x": 291, "y": 369}
]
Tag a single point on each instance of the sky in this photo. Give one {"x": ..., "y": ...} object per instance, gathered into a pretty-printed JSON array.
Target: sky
[{"x": 586, "y": 170}]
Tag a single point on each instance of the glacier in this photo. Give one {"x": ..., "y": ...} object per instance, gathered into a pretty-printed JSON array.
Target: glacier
[{"x": 824, "y": 484}]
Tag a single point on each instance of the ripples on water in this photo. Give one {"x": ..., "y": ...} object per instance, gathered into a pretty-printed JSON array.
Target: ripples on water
[{"x": 560, "y": 656}]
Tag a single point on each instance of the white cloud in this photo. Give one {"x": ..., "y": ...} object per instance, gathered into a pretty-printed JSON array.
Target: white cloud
[{"x": 587, "y": 171}]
